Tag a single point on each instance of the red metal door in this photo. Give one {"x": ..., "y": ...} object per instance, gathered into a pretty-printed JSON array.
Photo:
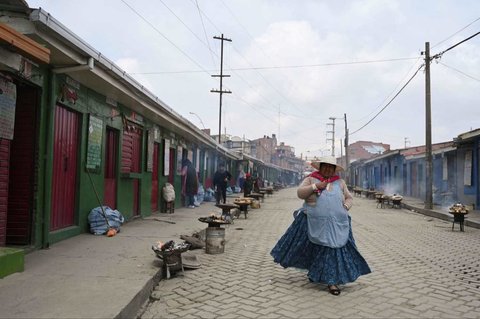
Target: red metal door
[
  {"x": 155, "y": 178},
  {"x": 131, "y": 155},
  {"x": 64, "y": 178},
  {"x": 22, "y": 168},
  {"x": 111, "y": 153},
  {"x": 136, "y": 167}
]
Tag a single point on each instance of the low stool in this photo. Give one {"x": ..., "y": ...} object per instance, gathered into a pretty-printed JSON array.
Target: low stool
[{"x": 169, "y": 207}]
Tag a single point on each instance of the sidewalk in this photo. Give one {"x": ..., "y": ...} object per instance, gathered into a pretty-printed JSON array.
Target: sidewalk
[
  {"x": 91, "y": 276},
  {"x": 472, "y": 219}
]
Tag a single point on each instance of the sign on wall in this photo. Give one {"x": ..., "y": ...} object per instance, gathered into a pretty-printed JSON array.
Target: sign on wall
[
  {"x": 166, "y": 158},
  {"x": 150, "y": 146},
  {"x": 94, "y": 149},
  {"x": 8, "y": 99}
]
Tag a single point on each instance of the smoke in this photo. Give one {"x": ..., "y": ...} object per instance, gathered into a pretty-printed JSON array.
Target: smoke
[{"x": 392, "y": 188}]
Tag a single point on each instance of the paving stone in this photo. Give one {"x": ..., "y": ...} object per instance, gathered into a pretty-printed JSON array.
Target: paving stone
[{"x": 421, "y": 269}]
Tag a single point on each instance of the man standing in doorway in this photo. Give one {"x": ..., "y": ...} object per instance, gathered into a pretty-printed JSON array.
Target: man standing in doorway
[{"x": 220, "y": 182}]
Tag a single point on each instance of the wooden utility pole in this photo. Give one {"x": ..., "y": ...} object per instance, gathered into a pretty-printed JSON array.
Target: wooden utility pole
[
  {"x": 221, "y": 91},
  {"x": 428, "y": 132},
  {"x": 347, "y": 177}
]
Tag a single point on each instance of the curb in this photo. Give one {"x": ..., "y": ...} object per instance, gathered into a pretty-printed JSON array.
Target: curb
[
  {"x": 133, "y": 307},
  {"x": 439, "y": 215}
]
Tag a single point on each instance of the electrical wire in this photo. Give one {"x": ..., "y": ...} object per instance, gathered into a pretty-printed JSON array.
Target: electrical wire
[
  {"x": 164, "y": 36},
  {"x": 461, "y": 72},
  {"x": 451, "y": 36},
  {"x": 439, "y": 55},
  {"x": 205, "y": 32},
  {"x": 393, "y": 98},
  {"x": 243, "y": 57},
  {"x": 288, "y": 66},
  {"x": 390, "y": 94}
]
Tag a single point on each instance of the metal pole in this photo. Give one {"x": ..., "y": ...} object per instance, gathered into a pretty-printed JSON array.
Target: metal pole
[{"x": 428, "y": 132}]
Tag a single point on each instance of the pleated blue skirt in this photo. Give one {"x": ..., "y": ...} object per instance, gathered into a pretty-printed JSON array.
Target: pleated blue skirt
[{"x": 325, "y": 265}]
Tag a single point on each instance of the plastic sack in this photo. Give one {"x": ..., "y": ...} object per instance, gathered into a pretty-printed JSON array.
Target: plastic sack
[
  {"x": 209, "y": 195},
  {"x": 168, "y": 192},
  {"x": 98, "y": 224},
  {"x": 200, "y": 195}
]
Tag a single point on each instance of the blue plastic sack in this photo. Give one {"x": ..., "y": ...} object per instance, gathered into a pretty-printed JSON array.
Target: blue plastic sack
[
  {"x": 209, "y": 195},
  {"x": 98, "y": 224}
]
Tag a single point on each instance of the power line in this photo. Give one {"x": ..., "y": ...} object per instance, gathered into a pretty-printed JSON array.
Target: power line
[
  {"x": 205, "y": 32},
  {"x": 461, "y": 72},
  {"x": 451, "y": 36},
  {"x": 393, "y": 98},
  {"x": 386, "y": 98},
  {"x": 239, "y": 53},
  {"x": 288, "y": 66},
  {"x": 165, "y": 37},
  {"x": 439, "y": 55}
]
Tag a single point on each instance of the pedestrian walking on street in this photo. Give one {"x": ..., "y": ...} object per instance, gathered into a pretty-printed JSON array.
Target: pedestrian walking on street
[
  {"x": 320, "y": 238},
  {"x": 248, "y": 185},
  {"x": 220, "y": 183},
  {"x": 189, "y": 182}
]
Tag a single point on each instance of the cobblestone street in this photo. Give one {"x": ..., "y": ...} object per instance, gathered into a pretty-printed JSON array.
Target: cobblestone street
[{"x": 420, "y": 269}]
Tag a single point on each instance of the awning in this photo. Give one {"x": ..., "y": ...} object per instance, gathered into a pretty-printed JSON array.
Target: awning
[{"x": 24, "y": 44}]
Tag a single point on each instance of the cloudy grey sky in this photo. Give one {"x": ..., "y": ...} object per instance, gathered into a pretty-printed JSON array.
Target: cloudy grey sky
[{"x": 295, "y": 64}]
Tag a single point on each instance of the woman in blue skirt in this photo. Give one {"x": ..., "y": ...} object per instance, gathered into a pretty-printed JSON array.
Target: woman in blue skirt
[{"x": 320, "y": 238}]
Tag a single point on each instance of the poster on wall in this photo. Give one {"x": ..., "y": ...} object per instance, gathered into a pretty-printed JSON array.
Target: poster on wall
[
  {"x": 166, "y": 158},
  {"x": 467, "y": 172},
  {"x": 179, "y": 160},
  {"x": 150, "y": 146},
  {"x": 8, "y": 99},
  {"x": 94, "y": 148}
]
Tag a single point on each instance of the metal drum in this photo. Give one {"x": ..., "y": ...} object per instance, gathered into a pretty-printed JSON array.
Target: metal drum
[{"x": 215, "y": 240}]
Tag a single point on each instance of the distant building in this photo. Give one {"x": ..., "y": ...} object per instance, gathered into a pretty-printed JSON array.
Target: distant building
[
  {"x": 265, "y": 148},
  {"x": 238, "y": 144},
  {"x": 365, "y": 150}
]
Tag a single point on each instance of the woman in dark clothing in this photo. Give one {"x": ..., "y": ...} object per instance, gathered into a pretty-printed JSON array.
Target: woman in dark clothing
[
  {"x": 220, "y": 182},
  {"x": 189, "y": 182}
]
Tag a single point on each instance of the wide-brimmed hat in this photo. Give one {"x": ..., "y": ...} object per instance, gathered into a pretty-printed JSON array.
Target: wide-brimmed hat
[{"x": 327, "y": 160}]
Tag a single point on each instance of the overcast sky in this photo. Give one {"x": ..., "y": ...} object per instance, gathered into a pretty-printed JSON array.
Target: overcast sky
[{"x": 295, "y": 64}]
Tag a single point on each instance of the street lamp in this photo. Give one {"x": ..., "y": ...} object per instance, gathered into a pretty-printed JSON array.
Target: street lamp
[{"x": 198, "y": 117}]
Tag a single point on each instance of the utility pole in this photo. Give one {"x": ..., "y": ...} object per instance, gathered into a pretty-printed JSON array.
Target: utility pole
[
  {"x": 428, "y": 132},
  {"x": 341, "y": 152},
  {"x": 221, "y": 91},
  {"x": 346, "y": 148},
  {"x": 278, "y": 123},
  {"x": 333, "y": 134},
  {"x": 405, "y": 141}
]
